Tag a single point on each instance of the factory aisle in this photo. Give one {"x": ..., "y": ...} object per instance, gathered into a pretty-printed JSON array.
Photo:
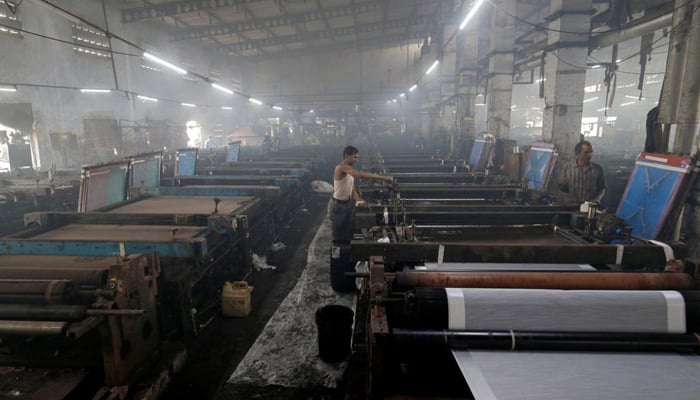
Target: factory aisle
[{"x": 224, "y": 344}]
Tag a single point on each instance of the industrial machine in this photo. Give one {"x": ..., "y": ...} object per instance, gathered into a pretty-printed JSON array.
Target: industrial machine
[{"x": 139, "y": 267}]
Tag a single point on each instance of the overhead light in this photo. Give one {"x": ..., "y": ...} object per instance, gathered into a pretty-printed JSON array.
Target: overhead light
[
  {"x": 187, "y": 105},
  {"x": 626, "y": 104},
  {"x": 414, "y": 87},
  {"x": 596, "y": 66},
  {"x": 146, "y": 98},
  {"x": 591, "y": 99},
  {"x": 535, "y": 108},
  {"x": 223, "y": 89},
  {"x": 255, "y": 101},
  {"x": 95, "y": 91},
  {"x": 388, "y": 102},
  {"x": 602, "y": 109},
  {"x": 402, "y": 95},
  {"x": 8, "y": 89},
  {"x": 513, "y": 106},
  {"x": 432, "y": 67},
  {"x": 278, "y": 108},
  {"x": 470, "y": 14},
  {"x": 635, "y": 97},
  {"x": 311, "y": 111},
  {"x": 480, "y": 104},
  {"x": 394, "y": 100},
  {"x": 164, "y": 63},
  {"x": 226, "y": 108}
]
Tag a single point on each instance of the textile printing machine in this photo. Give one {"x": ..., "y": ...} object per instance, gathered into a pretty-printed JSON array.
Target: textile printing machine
[
  {"x": 125, "y": 281},
  {"x": 495, "y": 301},
  {"x": 504, "y": 320}
]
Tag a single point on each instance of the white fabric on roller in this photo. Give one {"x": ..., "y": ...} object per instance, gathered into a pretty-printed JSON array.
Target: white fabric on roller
[
  {"x": 566, "y": 310},
  {"x": 530, "y": 375}
]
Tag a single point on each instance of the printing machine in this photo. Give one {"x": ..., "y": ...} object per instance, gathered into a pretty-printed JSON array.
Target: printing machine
[{"x": 133, "y": 271}]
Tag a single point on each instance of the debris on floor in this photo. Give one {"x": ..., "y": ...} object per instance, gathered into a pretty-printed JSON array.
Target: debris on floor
[{"x": 286, "y": 352}]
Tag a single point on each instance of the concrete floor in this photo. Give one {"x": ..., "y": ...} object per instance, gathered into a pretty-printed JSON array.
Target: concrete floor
[{"x": 251, "y": 348}]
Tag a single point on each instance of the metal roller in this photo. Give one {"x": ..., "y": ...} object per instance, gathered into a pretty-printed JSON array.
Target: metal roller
[
  {"x": 33, "y": 328},
  {"x": 81, "y": 276},
  {"x": 510, "y": 340},
  {"x": 37, "y": 291},
  {"x": 42, "y": 312},
  {"x": 548, "y": 280}
]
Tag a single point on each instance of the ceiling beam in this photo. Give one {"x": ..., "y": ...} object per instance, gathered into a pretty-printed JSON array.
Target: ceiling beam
[
  {"x": 305, "y": 37},
  {"x": 388, "y": 41},
  {"x": 173, "y": 8},
  {"x": 263, "y": 23}
]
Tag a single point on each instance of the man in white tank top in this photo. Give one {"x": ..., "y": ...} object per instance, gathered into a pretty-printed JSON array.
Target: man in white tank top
[{"x": 345, "y": 196}]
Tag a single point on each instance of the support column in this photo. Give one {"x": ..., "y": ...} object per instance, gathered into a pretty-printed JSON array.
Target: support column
[
  {"x": 499, "y": 89},
  {"x": 680, "y": 96},
  {"x": 679, "y": 103},
  {"x": 467, "y": 60},
  {"x": 430, "y": 91},
  {"x": 565, "y": 77}
]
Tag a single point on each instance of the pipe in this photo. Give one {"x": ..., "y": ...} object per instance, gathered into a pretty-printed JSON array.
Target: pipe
[
  {"x": 548, "y": 280},
  {"x": 34, "y": 328},
  {"x": 80, "y": 328},
  {"x": 511, "y": 340},
  {"x": 82, "y": 277},
  {"x": 41, "y": 312},
  {"x": 532, "y": 57},
  {"x": 630, "y": 31}
]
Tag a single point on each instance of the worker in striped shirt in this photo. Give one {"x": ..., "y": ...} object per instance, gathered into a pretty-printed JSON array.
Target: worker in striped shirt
[{"x": 583, "y": 180}]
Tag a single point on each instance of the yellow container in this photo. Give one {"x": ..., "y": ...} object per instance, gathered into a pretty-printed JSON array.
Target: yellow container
[{"x": 235, "y": 299}]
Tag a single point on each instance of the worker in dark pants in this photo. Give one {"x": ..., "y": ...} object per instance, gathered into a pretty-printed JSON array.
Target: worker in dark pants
[
  {"x": 345, "y": 199},
  {"x": 583, "y": 180}
]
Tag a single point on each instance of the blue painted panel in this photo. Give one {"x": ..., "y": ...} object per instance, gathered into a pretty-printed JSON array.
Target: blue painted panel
[
  {"x": 145, "y": 170},
  {"x": 649, "y": 197},
  {"x": 233, "y": 151},
  {"x": 103, "y": 185},
  {"x": 186, "y": 163},
  {"x": 101, "y": 249},
  {"x": 539, "y": 165},
  {"x": 477, "y": 149}
]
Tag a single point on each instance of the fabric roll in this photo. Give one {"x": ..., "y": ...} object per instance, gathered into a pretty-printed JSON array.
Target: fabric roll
[{"x": 566, "y": 310}]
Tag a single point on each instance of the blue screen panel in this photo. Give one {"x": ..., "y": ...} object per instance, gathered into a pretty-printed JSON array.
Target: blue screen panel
[
  {"x": 539, "y": 165},
  {"x": 233, "y": 151},
  {"x": 186, "y": 162},
  {"x": 651, "y": 193}
]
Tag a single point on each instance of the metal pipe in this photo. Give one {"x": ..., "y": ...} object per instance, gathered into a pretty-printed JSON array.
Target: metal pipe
[
  {"x": 511, "y": 340},
  {"x": 41, "y": 312},
  {"x": 91, "y": 277},
  {"x": 34, "y": 328},
  {"x": 548, "y": 280},
  {"x": 79, "y": 329},
  {"x": 630, "y": 31}
]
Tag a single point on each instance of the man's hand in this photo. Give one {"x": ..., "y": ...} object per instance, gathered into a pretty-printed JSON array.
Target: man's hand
[
  {"x": 389, "y": 178},
  {"x": 361, "y": 203}
]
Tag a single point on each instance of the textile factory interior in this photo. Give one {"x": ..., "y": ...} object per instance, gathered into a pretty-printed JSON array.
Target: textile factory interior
[{"x": 349, "y": 199}]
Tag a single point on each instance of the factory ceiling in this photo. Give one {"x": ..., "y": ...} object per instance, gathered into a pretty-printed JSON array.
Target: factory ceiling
[{"x": 287, "y": 27}]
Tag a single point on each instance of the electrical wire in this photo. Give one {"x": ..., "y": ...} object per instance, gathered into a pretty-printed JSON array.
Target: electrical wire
[{"x": 69, "y": 42}]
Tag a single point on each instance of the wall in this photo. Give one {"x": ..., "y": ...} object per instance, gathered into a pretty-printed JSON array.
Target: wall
[{"x": 34, "y": 60}]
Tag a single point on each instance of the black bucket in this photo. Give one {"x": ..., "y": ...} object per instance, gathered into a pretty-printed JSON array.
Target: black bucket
[{"x": 334, "y": 324}]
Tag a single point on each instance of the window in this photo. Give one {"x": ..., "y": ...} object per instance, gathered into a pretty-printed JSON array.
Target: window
[
  {"x": 9, "y": 22},
  {"x": 90, "y": 41}
]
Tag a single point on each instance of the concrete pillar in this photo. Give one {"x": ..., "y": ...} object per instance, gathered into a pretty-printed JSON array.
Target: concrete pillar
[
  {"x": 430, "y": 88},
  {"x": 679, "y": 103},
  {"x": 680, "y": 96},
  {"x": 499, "y": 90},
  {"x": 467, "y": 85},
  {"x": 565, "y": 76}
]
